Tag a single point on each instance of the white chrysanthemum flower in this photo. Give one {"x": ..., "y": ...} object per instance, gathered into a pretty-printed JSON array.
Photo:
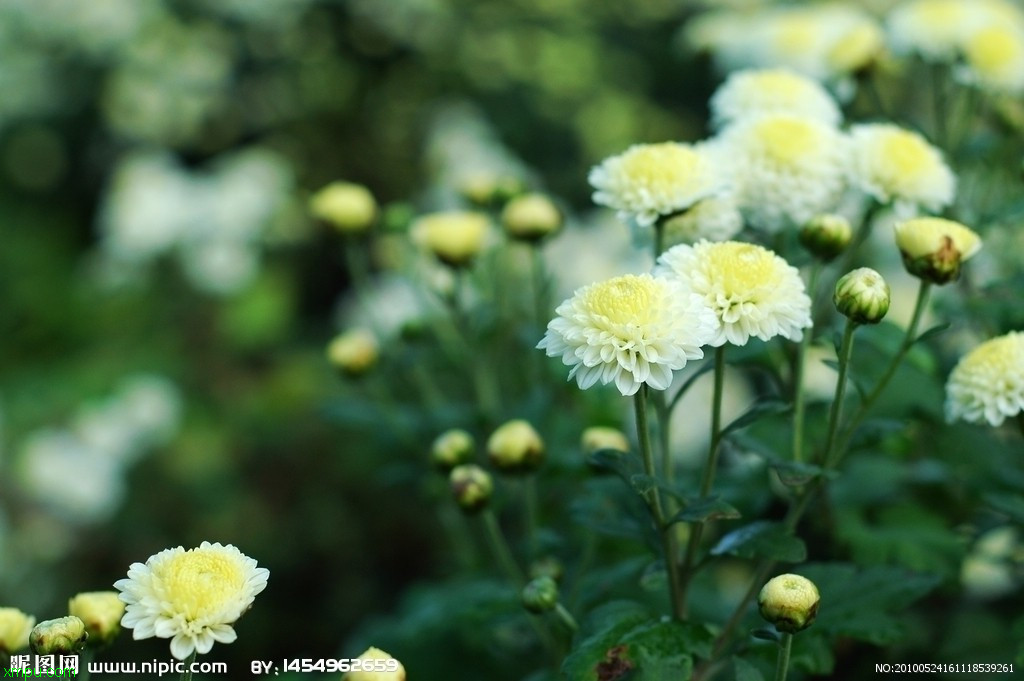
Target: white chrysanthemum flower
[
  {"x": 753, "y": 92},
  {"x": 786, "y": 169},
  {"x": 896, "y": 165},
  {"x": 192, "y": 597},
  {"x": 752, "y": 291},
  {"x": 939, "y": 30},
  {"x": 713, "y": 219},
  {"x": 988, "y": 382},
  {"x": 630, "y": 330},
  {"x": 651, "y": 180},
  {"x": 994, "y": 58}
]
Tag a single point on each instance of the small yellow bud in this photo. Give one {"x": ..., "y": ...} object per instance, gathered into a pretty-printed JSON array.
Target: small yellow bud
[
  {"x": 548, "y": 566},
  {"x": 353, "y": 352},
  {"x": 540, "y": 594},
  {"x": 933, "y": 249},
  {"x": 101, "y": 611},
  {"x": 862, "y": 296},
  {"x": 376, "y": 665},
  {"x": 15, "y": 627},
  {"x": 349, "y": 208},
  {"x": 826, "y": 236},
  {"x": 531, "y": 217},
  {"x": 487, "y": 189},
  {"x": 452, "y": 448},
  {"x": 471, "y": 486},
  {"x": 603, "y": 437},
  {"x": 455, "y": 237},
  {"x": 62, "y": 636},
  {"x": 515, "y": 447},
  {"x": 790, "y": 602}
]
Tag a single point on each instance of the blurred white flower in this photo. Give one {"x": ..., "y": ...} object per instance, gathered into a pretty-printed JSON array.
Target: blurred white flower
[
  {"x": 987, "y": 385},
  {"x": 752, "y": 92}
]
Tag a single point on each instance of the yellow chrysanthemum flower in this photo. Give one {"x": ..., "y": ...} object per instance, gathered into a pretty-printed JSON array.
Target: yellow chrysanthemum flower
[
  {"x": 346, "y": 206},
  {"x": 455, "y": 237},
  {"x": 995, "y": 58},
  {"x": 192, "y": 597},
  {"x": 630, "y": 330},
  {"x": 988, "y": 382},
  {"x": 648, "y": 181},
  {"x": 101, "y": 612},
  {"x": 894, "y": 164},
  {"x": 753, "y": 92},
  {"x": 15, "y": 627},
  {"x": 751, "y": 290}
]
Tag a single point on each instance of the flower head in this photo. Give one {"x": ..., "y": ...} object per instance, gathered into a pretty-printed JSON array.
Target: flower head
[
  {"x": 988, "y": 382},
  {"x": 787, "y": 168},
  {"x": 101, "y": 611},
  {"x": 651, "y": 180},
  {"x": 349, "y": 208},
  {"x": 994, "y": 57},
  {"x": 753, "y": 92},
  {"x": 715, "y": 218},
  {"x": 531, "y": 217},
  {"x": 629, "y": 330},
  {"x": 935, "y": 248},
  {"x": 192, "y": 597},
  {"x": 896, "y": 165},
  {"x": 15, "y": 627},
  {"x": 376, "y": 665},
  {"x": 455, "y": 237},
  {"x": 62, "y": 636},
  {"x": 515, "y": 447},
  {"x": 862, "y": 296},
  {"x": 603, "y": 437},
  {"x": 751, "y": 290},
  {"x": 790, "y": 602}
]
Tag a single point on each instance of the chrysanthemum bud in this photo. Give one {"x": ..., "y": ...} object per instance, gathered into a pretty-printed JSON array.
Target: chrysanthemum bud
[
  {"x": 540, "y": 595},
  {"x": 452, "y": 448},
  {"x": 790, "y": 602},
  {"x": 471, "y": 486},
  {"x": 455, "y": 237},
  {"x": 603, "y": 437},
  {"x": 531, "y": 217},
  {"x": 376, "y": 665},
  {"x": 15, "y": 627},
  {"x": 933, "y": 249},
  {"x": 61, "y": 636},
  {"x": 515, "y": 447},
  {"x": 349, "y": 208},
  {"x": 862, "y": 296},
  {"x": 826, "y": 236},
  {"x": 548, "y": 566},
  {"x": 488, "y": 189},
  {"x": 353, "y": 352},
  {"x": 101, "y": 611}
]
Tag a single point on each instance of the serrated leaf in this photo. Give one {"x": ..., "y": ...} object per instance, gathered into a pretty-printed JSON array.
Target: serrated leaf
[
  {"x": 768, "y": 407},
  {"x": 744, "y": 671},
  {"x": 762, "y": 539},
  {"x": 704, "y": 509}
]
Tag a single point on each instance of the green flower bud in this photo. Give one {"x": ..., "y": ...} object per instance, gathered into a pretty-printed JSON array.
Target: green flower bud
[
  {"x": 15, "y": 627},
  {"x": 934, "y": 249},
  {"x": 548, "y": 566},
  {"x": 515, "y": 447},
  {"x": 101, "y": 611},
  {"x": 531, "y": 217},
  {"x": 455, "y": 237},
  {"x": 353, "y": 352},
  {"x": 471, "y": 486},
  {"x": 349, "y": 208},
  {"x": 603, "y": 437},
  {"x": 826, "y": 236},
  {"x": 452, "y": 448},
  {"x": 62, "y": 636},
  {"x": 862, "y": 296},
  {"x": 540, "y": 595},
  {"x": 487, "y": 189},
  {"x": 790, "y": 602}
]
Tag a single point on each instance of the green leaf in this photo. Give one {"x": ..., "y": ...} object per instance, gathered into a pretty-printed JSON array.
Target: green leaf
[
  {"x": 932, "y": 332},
  {"x": 744, "y": 671},
  {"x": 642, "y": 484},
  {"x": 762, "y": 538},
  {"x": 906, "y": 534},
  {"x": 767, "y": 407},
  {"x": 797, "y": 473},
  {"x": 1010, "y": 504},
  {"x": 866, "y": 604},
  {"x": 766, "y": 635},
  {"x": 704, "y": 509},
  {"x": 614, "y": 461}
]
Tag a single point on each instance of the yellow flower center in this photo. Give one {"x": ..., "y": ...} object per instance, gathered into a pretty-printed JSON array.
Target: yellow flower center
[
  {"x": 856, "y": 48},
  {"x": 622, "y": 300},
  {"x": 991, "y": 50},
  {"x": 780, "y": 84},
  {"x": 906, "y": 153},
  {"x": 999, "y": 357},
  {"x": 662, "y": 166},
  {"x": 200, "y": 581},
  {"x": 941, "y": 14},
  {"x": 797, "y": 34},
  {"x": 784, "y": 140},
  {"x": 742, "y": 268}
]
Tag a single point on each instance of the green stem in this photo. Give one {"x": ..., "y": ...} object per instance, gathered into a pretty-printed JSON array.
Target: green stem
[
  {"x": 484, "y": 385},
  {"x": 894, "y": 364},
  {"x": 653, "y": 497},
  {"x": 661, "y": 409},
  {"x": 799, "y": 394},
  {"x": 539, "y": 282},
  {"x": 836, "y": 412},
  {"x": 502, "y": 552},
  {"x": 659, "y": 238},
  {"x": 530, "y": 510},
  {"x": 782, "y": 665},
  {"x": 566, "y": 617},
  {"x": 187, "y": 674},
  {"x": 708, "y": 478},
  {"x": 1020, "y": 421},
  {"x": 84, "y": 658}
]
